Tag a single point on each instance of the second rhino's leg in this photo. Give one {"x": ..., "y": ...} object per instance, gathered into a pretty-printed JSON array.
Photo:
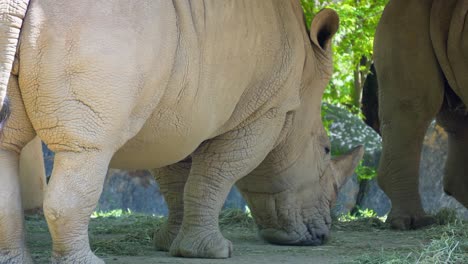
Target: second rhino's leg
[
  {"x": 411, "y": 93},
  {"x": 216, "y": 165},
  {"x": 12, "y": 245},
  {"x": 71, "y": 196},
  {"x": 455, "y": 123},
  {"x": 171, "y": 180}
]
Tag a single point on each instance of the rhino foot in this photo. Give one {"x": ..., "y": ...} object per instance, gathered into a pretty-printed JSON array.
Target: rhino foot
[
  {"x": 201, "y": 244},
  {"x": 406, "y": 222},
  {"x": 13, "y": 257},
  {"x": 164, "y": 237},
  {"x": 77, "y": 258}
]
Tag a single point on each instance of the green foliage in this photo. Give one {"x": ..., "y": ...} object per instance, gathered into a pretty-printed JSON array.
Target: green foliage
[
  {"x": 360, "y": 220},
  {"x": 353, "y": 43},
  {"x": 358, "y": 214},
  {"x": 365, "y": 172}
]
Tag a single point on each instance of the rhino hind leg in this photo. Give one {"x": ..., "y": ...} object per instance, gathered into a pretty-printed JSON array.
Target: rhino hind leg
[
  {"x": 411, "y": 88},
  {"x": 454, "y": 120},
  {"x": 403, "y": 130},
  {"x": 72, "y": 194},
  {"x": 171, "y": 180},
  {"x": 15, "y": 134},
  {"x": 216, "y": 165},
  {"x": 398, "y": 173}
]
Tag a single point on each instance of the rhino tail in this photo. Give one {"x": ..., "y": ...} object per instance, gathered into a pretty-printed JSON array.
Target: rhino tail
[
  {"x": 12, "y": 13},
  {"x": 448, "y": 28},
  {"x": 370, "y": 100}
]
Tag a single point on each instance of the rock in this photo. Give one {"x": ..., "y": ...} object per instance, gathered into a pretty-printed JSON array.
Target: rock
[
  {"x": 431, "y": 173},
  {"x": 136, "y": 191},
  {"x": 48, "y": 160},
  {"x": 347, "y": 131}
]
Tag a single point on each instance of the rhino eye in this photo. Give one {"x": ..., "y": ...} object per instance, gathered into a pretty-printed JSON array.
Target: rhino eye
[{"x": 327, "y": 150}]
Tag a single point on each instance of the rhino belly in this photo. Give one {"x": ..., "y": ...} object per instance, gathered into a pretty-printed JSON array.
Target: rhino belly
[
  {"x": 167, "y": 137},
  {"x": 148, "y": 157},
  {"x": 150, "y": 153}
]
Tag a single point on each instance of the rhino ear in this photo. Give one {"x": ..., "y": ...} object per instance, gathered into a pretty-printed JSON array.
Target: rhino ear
[
  {"x": 323, "y": 28},
  {"x": 346, "y": 164}
]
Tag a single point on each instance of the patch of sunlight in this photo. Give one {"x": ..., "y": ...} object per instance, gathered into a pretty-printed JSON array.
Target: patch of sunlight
[
  {"x": 247, "y": 211},
  {"x": 118, "y": 213},
  {"x": 112, "y": 213},
  {"x": 360, "y": 214}
]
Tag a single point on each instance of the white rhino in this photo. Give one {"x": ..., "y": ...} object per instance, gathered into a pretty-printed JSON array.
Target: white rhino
[{"x": 206, "y": 93}]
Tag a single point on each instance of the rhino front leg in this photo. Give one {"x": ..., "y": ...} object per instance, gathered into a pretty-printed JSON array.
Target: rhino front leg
[
  {"x": 71, "y": 196},
  {"x": 171, "y": 180},
  {"x": 216, "y": 165}
]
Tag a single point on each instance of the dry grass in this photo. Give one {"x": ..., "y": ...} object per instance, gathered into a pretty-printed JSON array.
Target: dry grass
[
  {"x": 123, "y": 234},
  {"x": 448, "y": 244}
]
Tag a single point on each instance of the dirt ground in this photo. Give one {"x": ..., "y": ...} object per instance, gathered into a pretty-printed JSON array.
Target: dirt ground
[
  {"x": 128, "y": 240},
  {"x": 346, "y": 246}
]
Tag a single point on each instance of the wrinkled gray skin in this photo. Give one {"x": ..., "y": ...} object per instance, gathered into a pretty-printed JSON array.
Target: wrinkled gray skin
[
  {"x": 420, "y": 57},
  {"x": 205, "y": 93}
]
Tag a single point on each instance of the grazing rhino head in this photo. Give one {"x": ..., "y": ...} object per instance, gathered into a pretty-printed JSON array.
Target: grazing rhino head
[{"x": 290, "y": 194}]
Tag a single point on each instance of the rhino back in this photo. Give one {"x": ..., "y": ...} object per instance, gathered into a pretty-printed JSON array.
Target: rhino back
[{"x": 237, "y": 59}]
